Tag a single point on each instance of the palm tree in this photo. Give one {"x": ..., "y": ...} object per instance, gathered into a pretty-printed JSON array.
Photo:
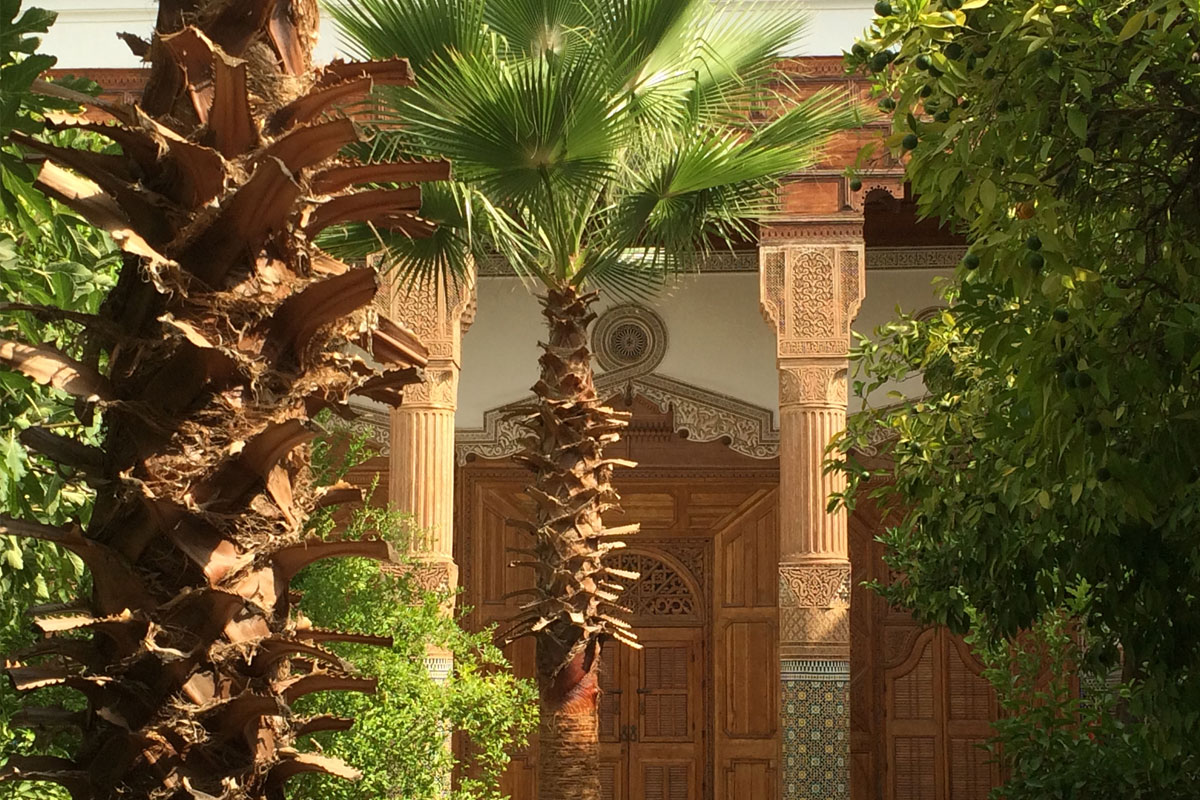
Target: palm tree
[
  {"x": 597, "y": 144},
  {"x": 226, "y": 331}
]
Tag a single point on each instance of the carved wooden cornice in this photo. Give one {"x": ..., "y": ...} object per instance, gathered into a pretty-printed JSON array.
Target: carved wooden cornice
[
  {"x": 844, "y": 228},
  {"x": 705, "y": 416}
]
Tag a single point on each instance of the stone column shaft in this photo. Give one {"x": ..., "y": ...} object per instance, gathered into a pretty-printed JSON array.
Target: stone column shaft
[
  {"x": 810, "y": 293},
  {"x": 421, "y": 460},
  {"x": 422, "y": 440},
  {"x": 812, "y": 533}
]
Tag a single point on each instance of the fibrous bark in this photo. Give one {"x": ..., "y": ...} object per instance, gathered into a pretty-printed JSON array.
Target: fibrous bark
[
  {"x": 226, "y": 332},
  {"x": 574, "y": 601}
]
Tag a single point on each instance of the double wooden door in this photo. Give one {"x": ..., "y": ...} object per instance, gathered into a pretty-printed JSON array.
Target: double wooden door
[
  {"x": 920, "y": 711},
  {"x": 939, "y": 711},
  {"x": 651, "y": 714}
]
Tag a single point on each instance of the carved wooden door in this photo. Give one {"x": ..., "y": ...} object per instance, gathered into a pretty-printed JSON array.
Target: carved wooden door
[
  {"x": 919, "y": 709},
  {"x": 938, "y": 712},
  {"x": 705, "y": 609},
  {"x": 650, "y": 717}
]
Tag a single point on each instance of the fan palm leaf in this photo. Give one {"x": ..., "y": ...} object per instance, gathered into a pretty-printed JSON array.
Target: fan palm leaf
[{"x": 595, "y": 144}]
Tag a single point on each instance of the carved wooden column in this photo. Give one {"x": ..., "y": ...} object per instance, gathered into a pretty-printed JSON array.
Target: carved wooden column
[
  {"x": 421, "y": 464},
  {"x": 810, "y": 291}
]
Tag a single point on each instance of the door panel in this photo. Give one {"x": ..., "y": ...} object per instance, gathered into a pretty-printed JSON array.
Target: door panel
[
  {"x": 666, "y": 692},
  {"x": 614, "y": 778},
  {"x": 665, "y": 779},
  {"x": 920, "y": 709},
  {"x": 706, "y": 725},
  {"x": 651, "y": 739},
  {"x": 937, "y": 717}
]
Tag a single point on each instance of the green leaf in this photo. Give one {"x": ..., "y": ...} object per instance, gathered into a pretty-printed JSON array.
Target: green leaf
[
  {"x": 987, "y": 194},
  {"x": 1077, "y": 122},
  {"x": 1132, "y": 26}
]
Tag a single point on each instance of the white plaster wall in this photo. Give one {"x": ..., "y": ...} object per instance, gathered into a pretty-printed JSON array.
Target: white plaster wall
[
  {"x": 834, "y": 25},
  {"x": 910, "y": 290},
  {"x": 717, "y": 338},
  {"x": 85, "y": 34}
]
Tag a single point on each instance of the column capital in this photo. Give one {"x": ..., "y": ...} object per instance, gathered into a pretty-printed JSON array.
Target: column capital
[
  {"x": 439, "y": 315},
  {"x": 809, "y": 293},
  {"x": 813, "y": 384}
]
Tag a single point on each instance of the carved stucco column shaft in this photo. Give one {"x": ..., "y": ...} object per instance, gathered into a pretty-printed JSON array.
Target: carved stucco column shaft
[
  {"x": 423, "y": 440},
  {"x": 810, "y": 294},
  {"x": 421, "y": 462}
]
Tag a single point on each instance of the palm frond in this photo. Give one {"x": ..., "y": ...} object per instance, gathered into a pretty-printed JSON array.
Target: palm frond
[
  {"x": 538, "y": 28},
  {"x": 808, "y": 124},
  {"x": 514, "y": 128},
  {"x": 423, "y": 31},
  {"x": 648, "y": 41},
  {"x": 608, "y": 142}
]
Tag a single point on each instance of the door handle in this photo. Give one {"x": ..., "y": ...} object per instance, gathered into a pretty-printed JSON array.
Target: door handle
[{"x": 633, "y": 733}]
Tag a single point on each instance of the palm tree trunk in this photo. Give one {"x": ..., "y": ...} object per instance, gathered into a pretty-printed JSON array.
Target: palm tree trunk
[
  {"x": 226, "y": 331},
  {"x": 575, "y": 594}
]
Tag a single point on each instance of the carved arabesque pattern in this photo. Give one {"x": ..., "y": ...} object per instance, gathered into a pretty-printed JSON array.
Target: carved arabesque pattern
[
  {"x": 660, "y": 591},
  {"x": 814, "y": 609},
  {"x": 813, "y": 293},
  {"x": 705, "y": 416},
  {"x": 439, "y": 314},
  {"x": 440, "y": 388},
  {"x": 812, "y": 385},
  {"x": 814, "y": 585},
  {"x": 852, "y": 292},
  {"x": 773, "y": 265}
]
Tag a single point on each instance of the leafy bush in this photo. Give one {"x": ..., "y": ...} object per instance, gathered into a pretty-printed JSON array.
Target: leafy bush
[
  {"x": 400, "y": 734},
  {"x": 49, "y": 256}
]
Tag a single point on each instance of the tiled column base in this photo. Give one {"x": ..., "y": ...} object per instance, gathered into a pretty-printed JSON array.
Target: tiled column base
[
  {"x": 438, "y": 663},
  {"x": 816, "y": 725}
]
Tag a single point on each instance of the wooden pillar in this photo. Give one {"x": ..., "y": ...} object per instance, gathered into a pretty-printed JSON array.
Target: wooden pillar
[
  {"x": 810, "y": 289},
  {"x": 421, "y": 463}
]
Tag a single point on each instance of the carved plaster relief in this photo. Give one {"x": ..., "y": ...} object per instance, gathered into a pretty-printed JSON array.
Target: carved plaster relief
[
  {"x": 814, "y": 585},
  {"x": 814, "y": 610},
  {"x": 440, "y": 388},
  {"x": 810, "y": 385},
  {"x": 810, "y": 294},
  {"x": 438, "y": 314},
  {"x": 705, "y": 416}
]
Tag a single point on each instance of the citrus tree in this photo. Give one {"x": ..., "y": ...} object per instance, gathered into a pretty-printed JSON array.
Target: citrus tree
[
  {"x": 1050, "y": 468},
  {"x": 596, "y": 144}
]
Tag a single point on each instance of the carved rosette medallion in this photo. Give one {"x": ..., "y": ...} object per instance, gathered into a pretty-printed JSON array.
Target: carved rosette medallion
[{"x": 629, "y": 338}]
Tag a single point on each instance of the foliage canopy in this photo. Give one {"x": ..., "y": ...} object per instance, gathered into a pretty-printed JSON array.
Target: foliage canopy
[
  {"x": 1052, "y": 465},
  {"x": 593, "y": 141}
]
